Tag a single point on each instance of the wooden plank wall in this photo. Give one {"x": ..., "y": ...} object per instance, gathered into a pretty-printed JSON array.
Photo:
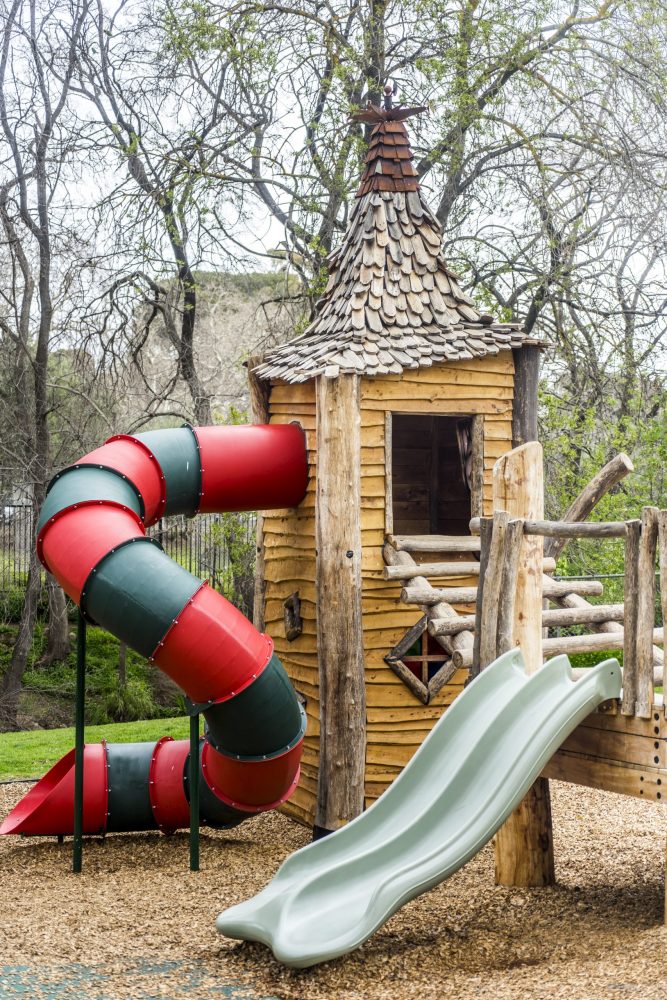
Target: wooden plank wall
[
  {"x": 617, "y": 753},
  {"x": 396, "y": 722},
  {"x": 289, "y": 547}
]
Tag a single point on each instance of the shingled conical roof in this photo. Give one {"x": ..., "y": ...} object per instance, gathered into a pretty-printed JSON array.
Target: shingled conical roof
[{"x": 391, "y": 302}]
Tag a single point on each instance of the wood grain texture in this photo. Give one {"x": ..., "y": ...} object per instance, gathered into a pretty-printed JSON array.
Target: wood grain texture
[
  {"x": 630, "y": 587},
  {"x": 643, "y": 782},
  {"x": 479, "y": 449},
  {"x": 526, "y": 381},
  {"x": 568, "y": 529},
  {"x": 508, "y": 591},
  {"x": 646, "y": 611},
  {"x": 486, "y": 535},
  {"x": 662, "y": 561},
  {"x": 340, "y": 794},
  {"x": 493, "y": 580},
  {"x": 518, "y": 488},
  {"x": 289, "y": 559},
  {"x": 524, "y": 844}
]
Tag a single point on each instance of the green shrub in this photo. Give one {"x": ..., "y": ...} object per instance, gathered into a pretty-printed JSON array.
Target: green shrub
[
  {"x": 591, "y": 659},
  {"x": 140, "y": 694},
  {"x": 11, "y": 605}
]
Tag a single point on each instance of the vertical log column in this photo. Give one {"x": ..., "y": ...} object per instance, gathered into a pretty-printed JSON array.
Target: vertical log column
[
  {"x": 662, "y": 548},
  {"x": 340, "y": 786},
  {"x": 646, "y": 611},
  {"x": 524, "y": 845},
  {"x": 524, "y": 408},
  {"x": 633, "y": 530}
]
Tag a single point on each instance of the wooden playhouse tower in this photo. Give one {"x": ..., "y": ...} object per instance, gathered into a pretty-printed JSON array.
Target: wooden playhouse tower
[{"x": 408, "y": 395}]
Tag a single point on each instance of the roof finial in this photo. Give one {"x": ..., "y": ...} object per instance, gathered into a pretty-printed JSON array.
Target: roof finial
[{"x": 373, "y": 114}]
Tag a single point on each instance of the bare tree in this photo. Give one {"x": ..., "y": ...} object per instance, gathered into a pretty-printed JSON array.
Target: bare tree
[
  {"x": 546, "y": 123},
  {"x": 168, "y": 127},
  {"x": 37, "y": 61}
]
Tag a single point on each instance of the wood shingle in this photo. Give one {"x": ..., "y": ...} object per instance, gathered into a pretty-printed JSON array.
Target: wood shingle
[{"x": 391, "y": 302}]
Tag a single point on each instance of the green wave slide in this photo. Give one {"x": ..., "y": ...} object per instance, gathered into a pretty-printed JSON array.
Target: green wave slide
[{"x": 472, "y": 770}]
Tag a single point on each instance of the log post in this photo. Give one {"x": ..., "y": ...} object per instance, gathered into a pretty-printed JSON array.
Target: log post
[
  {"x": 630, "y": 584},
  {"x": 518, "y": 488},
  {"x": 493, "y": 581},
  {"x": 524, "y": 844},
  {"x": 486, "y": 534},
  {"x": 662, "y": 549},
  {"x": 340, "y": 783},
  {"x": 526, "y": 381},
  {"x": 615, "y": 470},
  {"x": 259, "y": 414},
  {"x": 507, "y": 602},
  {"x": 646, "y": 611},
  {"x": 662, "y": 539}
]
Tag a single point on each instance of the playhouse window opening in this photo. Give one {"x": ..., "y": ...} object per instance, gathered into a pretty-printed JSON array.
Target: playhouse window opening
[
  {"x": 431, "y": 465},
  {"x": 424, "y": 658}
]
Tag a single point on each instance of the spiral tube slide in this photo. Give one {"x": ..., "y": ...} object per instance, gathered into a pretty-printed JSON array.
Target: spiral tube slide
[{"x": 92, "y": 538}]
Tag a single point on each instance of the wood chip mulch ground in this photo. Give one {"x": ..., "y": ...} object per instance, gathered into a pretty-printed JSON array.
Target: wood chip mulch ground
[{"x": 138, "y": 925}]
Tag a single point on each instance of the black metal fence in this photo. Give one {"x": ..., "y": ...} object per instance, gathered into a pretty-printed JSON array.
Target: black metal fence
[
  {"x": 15, "y": 544},
  {"x": 217, "y": 547}
]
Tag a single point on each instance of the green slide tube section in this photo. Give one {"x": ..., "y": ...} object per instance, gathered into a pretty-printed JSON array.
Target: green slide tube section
[
  {"x": 136, "y": 592},
  {"x": 177, "y": 453},
  {"x": 472, "y": 770},
  {"x": 128, "y": 768},
  {"x": 277, "y": 722},
  {"x": 129, "y": 806},
  {"x": 86, "y": 483}
]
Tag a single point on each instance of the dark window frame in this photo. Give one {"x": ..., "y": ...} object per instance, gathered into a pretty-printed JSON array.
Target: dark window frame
[{"x": 477, "y": 484}]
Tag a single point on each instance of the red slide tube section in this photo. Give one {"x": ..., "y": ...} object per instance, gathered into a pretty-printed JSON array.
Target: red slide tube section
[
  {"x": 134, "y": 460},
  {"x": 228, "y": 650},
  {"x": 252, "y": 785},
  {"x": 49, "y": 805},
  {"x": 166, "y": 790},
  {"x": 252, "y": 467}
]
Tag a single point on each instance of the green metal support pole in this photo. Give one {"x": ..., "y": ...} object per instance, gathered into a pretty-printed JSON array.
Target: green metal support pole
[
  {"x": 194, "y": 793},
  {"x": 77, "y": 851}
]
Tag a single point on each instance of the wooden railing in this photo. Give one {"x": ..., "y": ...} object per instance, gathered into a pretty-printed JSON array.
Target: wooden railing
[{"x": 630, "y": 626}]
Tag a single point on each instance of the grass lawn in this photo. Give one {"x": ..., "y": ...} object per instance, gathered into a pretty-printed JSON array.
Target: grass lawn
[{"x": 31, "y": 754}]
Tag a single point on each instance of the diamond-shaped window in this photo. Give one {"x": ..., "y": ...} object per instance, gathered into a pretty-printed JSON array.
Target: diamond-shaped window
[{"x": 420, "y": 662}]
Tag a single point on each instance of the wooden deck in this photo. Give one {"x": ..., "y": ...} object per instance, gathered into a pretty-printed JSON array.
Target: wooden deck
[{"x": 616, "y": 753}]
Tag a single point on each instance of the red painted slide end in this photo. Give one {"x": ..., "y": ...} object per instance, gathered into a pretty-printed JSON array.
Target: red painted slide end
[{"x": 49, "y": 805}]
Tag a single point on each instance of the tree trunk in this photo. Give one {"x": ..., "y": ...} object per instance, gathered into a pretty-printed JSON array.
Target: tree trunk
[
  {"x": 10, "y": 688},
  {"x": 58, "y": 643}
]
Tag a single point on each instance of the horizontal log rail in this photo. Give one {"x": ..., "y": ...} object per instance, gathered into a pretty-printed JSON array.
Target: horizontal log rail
[
  {"x": 555, "y": 618},
  {"x": 593, "y": 643},
  {"x": 553, "y": 589},
  {"x": 445, "y": 569},
  {"x": 566, "y": 529},
  {"x": 434, "y": 543}
]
